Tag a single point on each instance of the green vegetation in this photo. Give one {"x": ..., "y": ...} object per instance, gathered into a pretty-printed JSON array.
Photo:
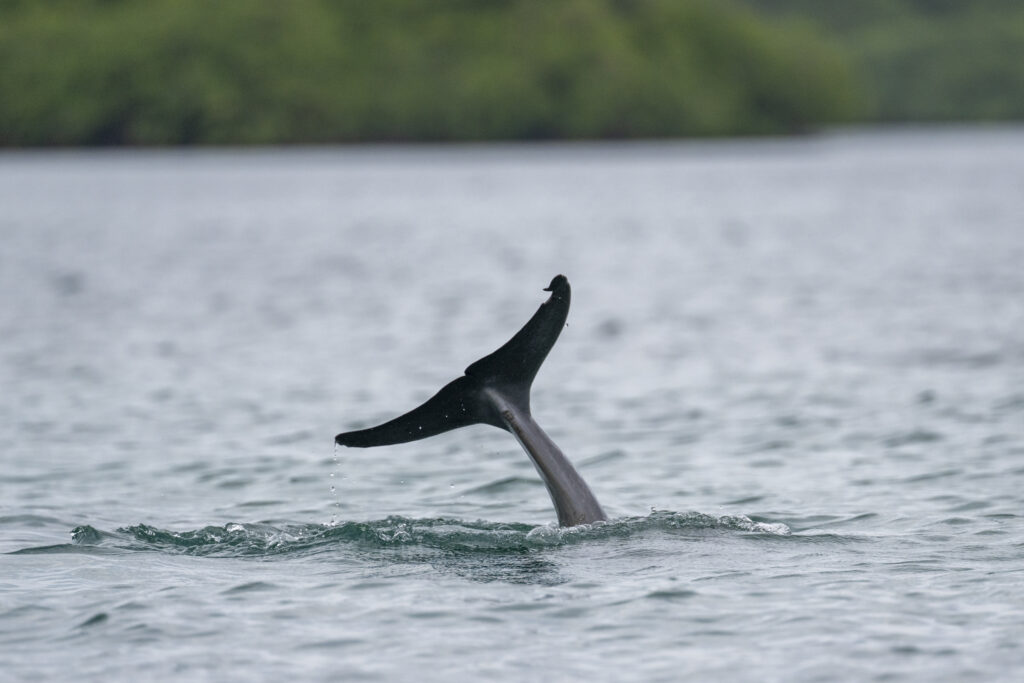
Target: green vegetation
[
  {"x": 248, "y": 71},
  {"x": 104, "y": 72},
  {"x": 925, "y": 60}
]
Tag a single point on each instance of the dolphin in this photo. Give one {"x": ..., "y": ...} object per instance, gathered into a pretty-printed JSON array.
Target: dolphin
[{"x": 495, "y": 390}]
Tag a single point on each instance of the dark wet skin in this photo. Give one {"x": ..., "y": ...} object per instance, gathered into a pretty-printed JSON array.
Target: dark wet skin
[{"x": 496, "y": 391}]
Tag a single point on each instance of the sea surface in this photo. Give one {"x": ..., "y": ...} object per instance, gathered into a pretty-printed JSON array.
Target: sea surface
[{"x": 793, "y": 374}]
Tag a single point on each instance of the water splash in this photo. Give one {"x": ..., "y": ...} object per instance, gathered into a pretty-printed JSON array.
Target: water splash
[{"x": 431, "y": 534}]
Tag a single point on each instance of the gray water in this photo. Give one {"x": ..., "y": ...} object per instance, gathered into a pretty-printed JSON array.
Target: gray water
[{"x": 793, "y": 375}]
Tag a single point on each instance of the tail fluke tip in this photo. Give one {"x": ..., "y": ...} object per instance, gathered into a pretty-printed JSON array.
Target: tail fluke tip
[{"x": 556, "y": 283}]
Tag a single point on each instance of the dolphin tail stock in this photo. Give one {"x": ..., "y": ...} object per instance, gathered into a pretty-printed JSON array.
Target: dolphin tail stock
[{"x": 495, "y": 390}]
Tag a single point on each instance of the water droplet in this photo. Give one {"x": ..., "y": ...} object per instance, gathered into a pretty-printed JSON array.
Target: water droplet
[{"x": 334, "y": 489}]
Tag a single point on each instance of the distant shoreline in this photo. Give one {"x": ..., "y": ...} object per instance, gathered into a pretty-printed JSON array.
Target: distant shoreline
[
  {"x": 902, "y": 129},
  {"x": 309, "y": 72}
]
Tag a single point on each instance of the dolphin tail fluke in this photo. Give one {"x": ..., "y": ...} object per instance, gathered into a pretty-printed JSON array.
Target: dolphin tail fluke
[
  {"x": 456, "y": 405},
  {"x": 515, "y": 364},
  {"x": 466, "y": 401}
]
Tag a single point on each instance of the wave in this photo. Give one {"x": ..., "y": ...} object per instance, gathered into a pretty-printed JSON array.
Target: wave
[{"x": 440, "y": 534}]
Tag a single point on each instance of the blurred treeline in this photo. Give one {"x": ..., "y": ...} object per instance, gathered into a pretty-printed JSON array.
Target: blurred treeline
[
  {"x": 925, "y": 60},
  {"x": 100, "y": 72}
]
